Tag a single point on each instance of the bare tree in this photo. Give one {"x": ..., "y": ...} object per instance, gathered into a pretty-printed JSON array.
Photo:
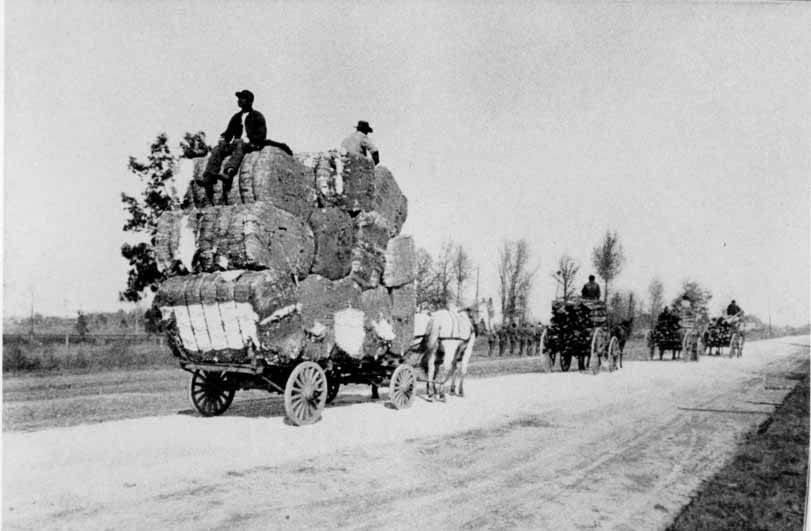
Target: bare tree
[
  {"x": 505, "y": 261},
  {"x": 656, "y": 295},
  {"x": 608, "y": 259},
  {"x": 566, "y": 273},
  {"x": 462, "y": 268},
  {"x": 515, "y": 279},
  {"x": 443, "y": 276},
  {"x": 425, "y": 278}
]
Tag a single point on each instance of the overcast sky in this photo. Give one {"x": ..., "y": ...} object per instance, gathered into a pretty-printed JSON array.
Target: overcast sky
[{"x": 686, "y": 127}]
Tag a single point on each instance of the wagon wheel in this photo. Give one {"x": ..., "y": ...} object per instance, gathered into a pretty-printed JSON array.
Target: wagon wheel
[
  {"x": 736, "y": 346},
  {"x": 547, "y": 357},
  {"x": 565, "y": 362},
  {"x": 305, "y": 393},
  {"x": 333, "y": 385},
  {"x": 649, "y": 341},
  {"x": 403, "y": 386},
  {"x": 598, "y": 350},
  {"x": 614, "y": 354},
  {"x": 685, "y": 346},
  {"x": 689, "y": 346},
  {"x": 210, "y": 392}
]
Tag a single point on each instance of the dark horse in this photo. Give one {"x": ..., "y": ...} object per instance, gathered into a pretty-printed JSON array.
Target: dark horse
[{"x": 622, "y": 331}]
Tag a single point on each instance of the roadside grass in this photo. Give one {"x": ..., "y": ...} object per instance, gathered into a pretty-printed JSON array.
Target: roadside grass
[
  {"x": 764, "y": 486},
  {"x": 83, "y": 357},
  {"x": 28, "y": 358}
]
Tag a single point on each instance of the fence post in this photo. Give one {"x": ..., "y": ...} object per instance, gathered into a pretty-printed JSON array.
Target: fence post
[{"x": 67, "y": 340}]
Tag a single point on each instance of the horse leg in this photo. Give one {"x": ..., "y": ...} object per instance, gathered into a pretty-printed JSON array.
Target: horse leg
[
  {"x": 430, "y": 388},
  {"x": 463, "y": 369}
]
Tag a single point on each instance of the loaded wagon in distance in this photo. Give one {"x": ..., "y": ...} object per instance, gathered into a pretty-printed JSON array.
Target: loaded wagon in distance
[
  {"x": 724, "y": 332},
  {"x": 579, "y": 330},
  {"x": 678, "y": 332}
]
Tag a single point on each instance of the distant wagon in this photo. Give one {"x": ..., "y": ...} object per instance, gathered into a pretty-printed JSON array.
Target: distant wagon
[
  {"x": 579, "y": 330},
  {"x": 678, "y": 332},
  {"x": 724, "y": 332}
]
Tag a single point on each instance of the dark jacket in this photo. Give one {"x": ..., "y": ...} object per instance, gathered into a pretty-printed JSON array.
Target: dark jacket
[
  {"x": 590, "y": 291},
  {"x": 733, "y": 309},
  {"x": 254, "y": 123}
]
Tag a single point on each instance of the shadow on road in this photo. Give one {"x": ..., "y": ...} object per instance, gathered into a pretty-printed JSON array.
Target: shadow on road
[{"x": 273, "y": 405}]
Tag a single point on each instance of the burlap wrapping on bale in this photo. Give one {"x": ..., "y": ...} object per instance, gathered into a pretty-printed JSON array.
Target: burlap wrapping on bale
[
  {"x": 211, "y": 322},
  {"x": 404, "y": 300},
  {"x": 327, "y": 170},
  {"x": 272, "y": 175},
  {"x": 254, "y": 236},
  {"x": 368, "y": 188},
  {"x": 267, "y": 175},
  {"x": 167, "y": 238},
  {"x": 368, "y": 264},
  {"x": 358, "y": 181},
  {"x": 376, "y": 305},
  {"x": 320, "y": 298},
  {"x": 334, "y": 239},
  {"x": 373, "y": 229},
  {"x": 401, "y": 262},
  {"x": 404, "y": 304},
  {"x": 389, "y": 200},
  {"x": 197, "y": 192}
]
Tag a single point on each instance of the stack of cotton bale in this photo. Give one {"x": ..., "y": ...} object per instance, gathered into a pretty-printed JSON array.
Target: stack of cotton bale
[{"x": 301, "y": 255}]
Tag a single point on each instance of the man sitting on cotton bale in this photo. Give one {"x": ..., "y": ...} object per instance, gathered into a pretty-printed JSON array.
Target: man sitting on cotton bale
[
  {"x": 358, "y": 143},
  {"x": 246, "y": 132}
]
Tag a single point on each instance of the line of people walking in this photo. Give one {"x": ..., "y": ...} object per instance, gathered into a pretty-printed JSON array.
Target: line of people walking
[{"x": 515, "y": 339}]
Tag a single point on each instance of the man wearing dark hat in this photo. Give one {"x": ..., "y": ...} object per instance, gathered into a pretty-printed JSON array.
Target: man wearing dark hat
[
  {"x": 246, "y": 132},
  {"x": 358, "y": 143}
]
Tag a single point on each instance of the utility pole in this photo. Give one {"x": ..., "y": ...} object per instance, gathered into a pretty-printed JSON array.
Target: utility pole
[
  {"x": 32, "y": 313},
  {"x": 477, "y": 294}
]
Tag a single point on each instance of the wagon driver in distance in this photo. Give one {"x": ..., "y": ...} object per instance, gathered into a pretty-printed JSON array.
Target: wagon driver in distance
[
  {"x": 591, "y": 290},
  {"x": 733, "y": 309}
]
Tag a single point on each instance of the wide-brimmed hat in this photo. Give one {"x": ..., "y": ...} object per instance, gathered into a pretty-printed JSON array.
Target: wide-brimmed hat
[
  {"x": 364, "y": 127},
  {"x": 247, "y": 94}
]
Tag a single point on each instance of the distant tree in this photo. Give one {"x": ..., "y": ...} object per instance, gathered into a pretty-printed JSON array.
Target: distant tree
[
  {"x": 608, "y": 258},
  {"x": 156, "y": 173},
  {"x": 425, "y": 278},
  {"x": 515, "y": 279},
  {"x": 461, "y": 268},
  {"x": 443, "y": 276},
  {"x": 656, "y": 298},
  {"x": 698, "y": 296},
  {"x": 82, "y": 326},
  {"x": 565, "y": 274}
]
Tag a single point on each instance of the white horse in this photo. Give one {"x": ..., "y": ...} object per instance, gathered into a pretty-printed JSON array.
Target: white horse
[{"x": 455, "y": 334}]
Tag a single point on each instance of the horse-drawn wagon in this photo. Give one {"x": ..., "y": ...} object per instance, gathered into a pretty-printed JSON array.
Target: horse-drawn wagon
[
  {"x": 579, "y": 329},
  {"x": 724, "y": 332},
  {"x": 226, "y": 349},
  {"x": 678, "y": 332}
]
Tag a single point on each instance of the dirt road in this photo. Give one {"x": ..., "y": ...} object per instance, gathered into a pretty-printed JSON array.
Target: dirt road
[{"x": 554, "y": 451}]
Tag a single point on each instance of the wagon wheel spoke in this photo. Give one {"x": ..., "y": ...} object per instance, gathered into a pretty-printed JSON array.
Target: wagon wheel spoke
[{"x": 305, "y": 393}]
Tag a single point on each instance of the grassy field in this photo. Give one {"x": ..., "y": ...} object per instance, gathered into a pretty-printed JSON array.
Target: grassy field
[
  {"x": 764, "y": 486},
  {"x": 83, "y": 357}
]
